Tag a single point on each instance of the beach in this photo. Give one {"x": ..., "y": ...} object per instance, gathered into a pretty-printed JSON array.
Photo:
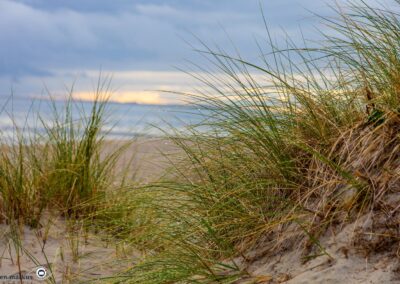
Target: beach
[
  {"x": 78, "y": 255},
  {"x": 264, "y": 163}
]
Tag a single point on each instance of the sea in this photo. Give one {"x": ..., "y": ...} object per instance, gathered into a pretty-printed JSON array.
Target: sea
[{"x": 122, "y": 120}]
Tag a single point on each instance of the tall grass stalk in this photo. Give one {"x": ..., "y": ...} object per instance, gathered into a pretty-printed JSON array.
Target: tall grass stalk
[
  {"x": 66, "y": 167},
  {"x": 293, "y": 148}
]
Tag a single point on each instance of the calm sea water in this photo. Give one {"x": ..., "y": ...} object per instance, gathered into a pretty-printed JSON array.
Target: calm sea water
[{"x": 123, "y": 120}]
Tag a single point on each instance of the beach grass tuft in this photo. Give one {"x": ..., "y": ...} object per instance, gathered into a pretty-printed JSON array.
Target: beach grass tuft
[{"x": 301, "y": 139}]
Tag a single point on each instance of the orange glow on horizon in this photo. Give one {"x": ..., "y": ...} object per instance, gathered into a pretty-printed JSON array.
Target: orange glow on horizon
[{"x": 140, "y": 97}]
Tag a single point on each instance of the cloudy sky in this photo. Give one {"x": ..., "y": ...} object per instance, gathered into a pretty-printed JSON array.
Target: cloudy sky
[{"x": 54, "y": 43}]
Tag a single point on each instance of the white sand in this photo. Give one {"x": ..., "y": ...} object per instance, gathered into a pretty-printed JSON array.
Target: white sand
[
  {"x": 92, "y": 260},
  {"x": 96, "y": 259},
  {"x": 345, "y": 265}
]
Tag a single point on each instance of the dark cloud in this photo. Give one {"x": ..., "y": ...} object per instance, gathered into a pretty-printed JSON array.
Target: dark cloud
[
  {"x": 62, "y": 34},
  {"x": 108, "y": 6},
  {"x": 41, "y": 38}
]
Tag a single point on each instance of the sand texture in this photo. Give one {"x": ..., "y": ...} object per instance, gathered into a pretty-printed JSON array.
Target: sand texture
[{"x": 81, "y": 257}]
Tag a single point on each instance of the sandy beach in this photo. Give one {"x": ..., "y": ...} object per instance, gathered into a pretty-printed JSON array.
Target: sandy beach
[
  {"x": 77, "y": 256},
  {"x": 270, "y": 155}
]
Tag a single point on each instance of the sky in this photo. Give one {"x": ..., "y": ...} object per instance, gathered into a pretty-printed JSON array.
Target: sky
[{"x": 52, "y": 45}]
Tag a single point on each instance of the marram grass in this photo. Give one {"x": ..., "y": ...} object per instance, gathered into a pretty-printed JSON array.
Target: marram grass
[
  {"x": 61, "y": 169},
  {"x": 311, "y": 144},
  {"x": 300, "y": 140}
]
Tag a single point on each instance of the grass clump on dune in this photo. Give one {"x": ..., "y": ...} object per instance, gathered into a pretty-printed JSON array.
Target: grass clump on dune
[
  {"x": 64, "y": 167},
  {"x": 19, "y": 181},
  {"x": 306, "y": 139},
  {"x": 58, "y": 173},
  {"x": 77, "y": 173}
]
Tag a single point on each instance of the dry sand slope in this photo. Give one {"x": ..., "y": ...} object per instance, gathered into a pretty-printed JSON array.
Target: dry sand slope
[
  {"x": 72, "y": 257},
  {"x": 87, "y": 257},
  {"x": 344, "y": 262},
  {"x": 78, "y": 257}
]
